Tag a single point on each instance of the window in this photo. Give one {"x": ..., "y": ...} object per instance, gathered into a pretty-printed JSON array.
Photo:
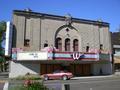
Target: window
[
  {"x": 27, "y": 32},
  {"x": 58, "y": 44},
  {"x": 27, "y": 28},
  {"x": 87, "y": 48},
  {"x": 45, "y": 45},
  {"x": 27, "y": 42},
  {"x": 75, "y": 45},
  {"x": 101, "y": 46},
  {"x": 67, "y": 44}
]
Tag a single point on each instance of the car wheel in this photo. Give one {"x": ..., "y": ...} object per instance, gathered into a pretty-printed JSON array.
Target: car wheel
[
  {"x": 46, "y": 78},
  {"x": 64, "y": 77}
]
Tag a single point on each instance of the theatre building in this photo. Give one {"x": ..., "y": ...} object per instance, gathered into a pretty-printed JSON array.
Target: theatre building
[{"x": 43, "y": 43}]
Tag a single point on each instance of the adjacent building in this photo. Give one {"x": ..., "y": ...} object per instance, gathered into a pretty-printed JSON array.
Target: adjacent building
[
  {"x": 43, "y": 43},
  {"x": 116, "y": 49}
]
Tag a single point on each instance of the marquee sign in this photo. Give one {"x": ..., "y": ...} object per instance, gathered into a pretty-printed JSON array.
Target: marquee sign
[
  {"x": 32, "y": 56},
  {"x": 19, "y": 54},
  {"x": 71, "y": 56},
  {"x": 76, "y": 55}
]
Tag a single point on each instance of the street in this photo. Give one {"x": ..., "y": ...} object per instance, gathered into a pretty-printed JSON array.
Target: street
[
  {"x": 94, "y": 83},
  {"x": 111, "y": 83}
]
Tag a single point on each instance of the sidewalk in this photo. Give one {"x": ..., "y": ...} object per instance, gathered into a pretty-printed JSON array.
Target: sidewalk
[
  {"x": 88, "y": 77},
  {"x": 115, "y": 75}
]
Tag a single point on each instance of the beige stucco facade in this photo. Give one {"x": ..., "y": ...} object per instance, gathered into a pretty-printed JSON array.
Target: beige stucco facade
[
  {"x": 43, "y": 28},
  {"x": 40, "y": 29}
]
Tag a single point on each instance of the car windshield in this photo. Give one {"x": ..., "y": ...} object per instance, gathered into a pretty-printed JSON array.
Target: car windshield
[
  {"x": 58, "y": 71},
  {"x": 65, "y": 71}
]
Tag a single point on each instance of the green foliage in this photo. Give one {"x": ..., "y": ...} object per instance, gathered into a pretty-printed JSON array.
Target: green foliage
[
  {"x": 36, "y": 86},
  {"x": 27, "y": 82},
  {"x": 2, "y": 29},
  {"x": 26, "y": 77},
  {"x": 33, "y": 86},
  {"x": 2, "y": 26}
]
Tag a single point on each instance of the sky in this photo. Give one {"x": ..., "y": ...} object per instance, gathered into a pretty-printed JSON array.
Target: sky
[{"x": 107, "y": 10}]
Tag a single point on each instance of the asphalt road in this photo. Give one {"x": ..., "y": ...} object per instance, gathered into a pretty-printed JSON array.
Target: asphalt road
[
  {"x": 105, "y": 83},
  {"x": 111, "y": 83}
]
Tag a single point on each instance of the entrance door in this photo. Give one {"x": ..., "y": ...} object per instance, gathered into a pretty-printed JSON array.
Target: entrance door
[
  {"x": 43, "y": 69},
  {"x": 86, "y": 69},
  {"x": 56, "y": 67},
  {"x": 80, "y": 69},
  {"x": 49, "y": 68}
]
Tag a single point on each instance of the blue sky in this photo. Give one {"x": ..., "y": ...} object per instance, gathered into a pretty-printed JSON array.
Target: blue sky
[{"x": 107, "y": 10}]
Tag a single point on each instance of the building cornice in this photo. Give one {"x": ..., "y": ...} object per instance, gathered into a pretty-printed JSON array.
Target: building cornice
[{"x": 57, "y": 17}]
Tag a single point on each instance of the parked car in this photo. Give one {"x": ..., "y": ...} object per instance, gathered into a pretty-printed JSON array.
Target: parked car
[{"x": 64, "y": 75}]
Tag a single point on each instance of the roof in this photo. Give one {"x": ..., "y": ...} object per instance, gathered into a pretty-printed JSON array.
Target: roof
[{"x": 31, "y": 13}]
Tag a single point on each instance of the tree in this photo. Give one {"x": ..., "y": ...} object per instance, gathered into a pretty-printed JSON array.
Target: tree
[
  {"x": 2, "y": 36},
  {"x": 2, "y": 31},
  {"x": 2, "y": 28}
]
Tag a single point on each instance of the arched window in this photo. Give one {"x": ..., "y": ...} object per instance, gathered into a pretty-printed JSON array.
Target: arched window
[
  {"x": 75, "y": 45},
  {"x": 58, "y": 44},
  {"x": 67, "y": 44}
]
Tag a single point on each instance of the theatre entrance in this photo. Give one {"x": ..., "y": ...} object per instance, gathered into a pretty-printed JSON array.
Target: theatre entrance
[
  {"x": 76, "y": 69},
  {"x": 81, "y": 69}
]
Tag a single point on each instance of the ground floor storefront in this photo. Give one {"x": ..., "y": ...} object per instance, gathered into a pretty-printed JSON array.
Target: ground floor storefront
[
  {"x": 77, "y": 68},
  {"x": 78, "y": 63},
  {"x": 117, "y": 63}
]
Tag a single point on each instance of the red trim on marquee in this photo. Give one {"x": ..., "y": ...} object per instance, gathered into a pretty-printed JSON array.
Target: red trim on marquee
[
  {"x": 71, "y": 59},
  {"x": 73, "y": 52}
]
